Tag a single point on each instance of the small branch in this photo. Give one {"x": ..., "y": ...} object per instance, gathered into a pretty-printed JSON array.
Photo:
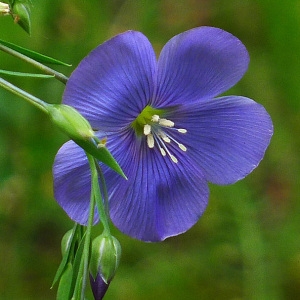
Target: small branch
[
  {"x": 26, "y": 96},
  {"x": 59, "y": 76}
]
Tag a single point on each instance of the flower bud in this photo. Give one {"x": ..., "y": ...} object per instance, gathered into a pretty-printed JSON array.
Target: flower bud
[
  {"x": 21, "y": 14},
  {"x": 105, "y": 257},
  {"x": 4, "y": 9},
  {"x": 70, "y": 121},
  {"x": 99, "y": 287}
]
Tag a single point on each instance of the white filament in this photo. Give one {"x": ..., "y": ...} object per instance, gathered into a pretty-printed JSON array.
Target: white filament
[{"x": 156, "y": 135}]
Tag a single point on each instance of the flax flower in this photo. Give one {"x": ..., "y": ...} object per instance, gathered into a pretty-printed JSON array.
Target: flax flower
[{"x": 167, "y": 126}]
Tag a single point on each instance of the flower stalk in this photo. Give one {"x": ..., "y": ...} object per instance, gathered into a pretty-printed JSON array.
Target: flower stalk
[
  {"x": 97, "y": 194},
  {"x": 26, "y": 96},
  {"x": 79, "y": 290}
]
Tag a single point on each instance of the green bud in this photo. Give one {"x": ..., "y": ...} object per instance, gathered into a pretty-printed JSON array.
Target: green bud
[
  {"x": 105, "y": 257},
  {"x": 4, "y": 9},
  {"x": 71, "y": 122},
  {"x": 21, "y": 14}
]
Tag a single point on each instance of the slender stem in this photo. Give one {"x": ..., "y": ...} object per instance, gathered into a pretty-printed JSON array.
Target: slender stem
[
  {"x": 61, "y": 77},
  {"x": 98, "y": 196},
  {"x": 28, "y": 97},
  {"x": 87, "y": 243},
  {"x": 103, "y": 185},
  {"x": 84, "y": 264}
]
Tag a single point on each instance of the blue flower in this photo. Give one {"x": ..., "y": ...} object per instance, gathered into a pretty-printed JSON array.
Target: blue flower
[{"x": 165, "y": 126}]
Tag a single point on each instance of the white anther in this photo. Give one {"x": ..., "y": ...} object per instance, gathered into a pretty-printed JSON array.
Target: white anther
[
  {"x": 166, "y": 139},
  {"x": 181, "y": 130},
  {"x": 162, "y": 151},
  {"x": 155, "y": 118},
  {"x": 182, "y": 147},
  {"x": 166, "y": 123},
  {"x": 147, "y": 129},
  {"x": 164, "y": 136},
  {"x": 174, "y": 159},
  {"x": 150, "y": 141}
]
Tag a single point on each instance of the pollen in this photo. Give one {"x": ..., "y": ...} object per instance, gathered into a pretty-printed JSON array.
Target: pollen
[{"x": 160, "y": 132}]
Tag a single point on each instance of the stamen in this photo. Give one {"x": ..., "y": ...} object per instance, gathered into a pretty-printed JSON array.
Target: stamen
[
  {"x": 150, "y": 140},
  {"x": 174, "y": 159},
  {"x": 147, "y": 129},
  {"x": 162, "y": 151},
  {"x": 155, "y": 118},
  {"x": 182, "y": 147},
  {"x": 163, "y": 148},
  {"x": 166, "y": 123},
  {"x": 159, "y": 143},
  {"x": 181, "y": 130},
  {"x": 156, "y": 135},
  {"x": 166, "y": 139},
  {"x": 164, "y": 136}
]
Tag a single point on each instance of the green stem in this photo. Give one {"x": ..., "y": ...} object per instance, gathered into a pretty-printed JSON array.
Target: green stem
[
  {"x": 28, "y": 97},
  {"x": 59, "y": 76},
  {"x": 84, "y": 264},
  {"x": 98, "y": 197},
  {"x": 103, "y": 185}
]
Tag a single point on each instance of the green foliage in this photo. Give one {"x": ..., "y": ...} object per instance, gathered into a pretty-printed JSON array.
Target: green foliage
[{"x": 44, "y": 59}]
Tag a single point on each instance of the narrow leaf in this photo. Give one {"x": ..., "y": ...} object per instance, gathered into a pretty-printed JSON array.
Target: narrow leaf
[
  {"x": 21, "y": 74},
  {"x": 64, "y": 289},
  {"x": 34, "y": 55},
  {"x": 77, "y": 277}
]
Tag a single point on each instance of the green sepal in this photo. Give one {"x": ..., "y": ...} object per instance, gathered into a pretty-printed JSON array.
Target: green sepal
[
  {"x": 105, "y": 257},
  {"x": 21, "y": 74},
  {"x": 101, "y": 153},
  {"x": 64, "y": 290},
  {"x": 34, "y": 55},
  {"x": 70, "y": 121}
]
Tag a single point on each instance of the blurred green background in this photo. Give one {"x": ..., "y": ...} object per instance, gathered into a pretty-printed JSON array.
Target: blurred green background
[{"x": 246, "y": 245}]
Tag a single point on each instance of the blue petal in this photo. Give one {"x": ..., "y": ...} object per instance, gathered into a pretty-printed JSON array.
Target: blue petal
[
  {"x": 114, "y": 83},
  {"x": 99, "y": 287},
  {"x": 160, "y": 198},
  {"x": 199, "y": 64},
  {"x": 72, "y": 182},
  {"x": 226, "y": 137}
]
